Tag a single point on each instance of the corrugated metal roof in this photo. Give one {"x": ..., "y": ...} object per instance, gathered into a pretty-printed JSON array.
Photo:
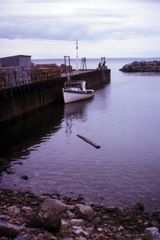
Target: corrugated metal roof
[{"x": 16, "y": 56}]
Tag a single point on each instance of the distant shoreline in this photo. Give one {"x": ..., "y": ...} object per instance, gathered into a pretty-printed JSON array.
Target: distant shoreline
[
  {"x": 97, "y": 58},
  {"x": 142, "y": 66}
]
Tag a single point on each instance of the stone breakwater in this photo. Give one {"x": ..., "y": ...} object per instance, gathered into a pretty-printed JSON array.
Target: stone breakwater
[
  {"x": 24, "y": 216},
  {"x": 142, "y": 66}
]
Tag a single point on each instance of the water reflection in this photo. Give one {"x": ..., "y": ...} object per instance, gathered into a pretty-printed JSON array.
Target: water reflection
[
  {"x": 74, "y": 111},
  {"x": 22, "y": 137},
  {"x": 155, "y": 74},
  {"x": 123, "y": 118}
]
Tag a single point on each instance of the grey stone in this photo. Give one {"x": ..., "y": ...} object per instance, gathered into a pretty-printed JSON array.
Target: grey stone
[
  {"x": 77, "y": 221},
  {"x": 8, "y": 230},
  {"x": 47, "y": 221},
  {"x": 68, "y": 238},
  {"x": 81, "y": 238},
  {"x": 78, "y": 230},
  {"x": 139, "y": 207},
  {"x": 27, "y": 209},
  {"x": 4, "y": 217},
  {"x": 13, "y": 210},
  {"x": 21, "y": 238},
  {"x": 48, "y": 216},
  {"x": 24, "y": 177},
  {"x": 120, "y": 228},
  {"x": 10, "y": 170},
  {"x": 53, "y": 206},
  {"x": 85, "y": 211},
  {"x": 152, "y": 233}
]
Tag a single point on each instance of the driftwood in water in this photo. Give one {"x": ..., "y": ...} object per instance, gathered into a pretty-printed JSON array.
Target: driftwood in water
[{"x": 88, "y": 141}]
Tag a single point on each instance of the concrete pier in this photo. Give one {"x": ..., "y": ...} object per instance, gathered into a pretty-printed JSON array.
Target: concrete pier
[
  {"x": 93, "y": 78},
  {"x": 22, "y": 100}
]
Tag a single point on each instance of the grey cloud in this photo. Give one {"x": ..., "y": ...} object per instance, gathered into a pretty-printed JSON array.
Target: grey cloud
[
  {"x": 48, "y": 1},
  {"x": 100, "y": 12},
  {"x": 138, "y": 1},
  {"x": 40, "y": 28},
  {"x": 150, "y": 1},
  {"x": 118, "y": 1},
  {"x": 56, "y": 28}
]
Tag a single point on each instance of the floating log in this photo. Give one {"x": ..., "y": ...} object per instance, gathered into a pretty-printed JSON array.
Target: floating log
[{"x": 88, "y": 141}]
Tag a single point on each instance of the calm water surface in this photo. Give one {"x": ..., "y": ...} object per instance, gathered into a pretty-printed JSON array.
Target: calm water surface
[{"x": 123, "y": 118}]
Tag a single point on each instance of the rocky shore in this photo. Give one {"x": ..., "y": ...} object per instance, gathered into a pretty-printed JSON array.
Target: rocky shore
[
  {"x": 142, "y": 66},
  {"x": 24, "y": 216}
]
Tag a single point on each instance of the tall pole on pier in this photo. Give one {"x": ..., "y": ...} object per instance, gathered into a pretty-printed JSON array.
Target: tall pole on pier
[{"x": 76, "y": 54}]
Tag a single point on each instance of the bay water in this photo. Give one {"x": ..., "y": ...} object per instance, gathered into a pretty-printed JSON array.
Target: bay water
[{"x": 123, "y": 118}]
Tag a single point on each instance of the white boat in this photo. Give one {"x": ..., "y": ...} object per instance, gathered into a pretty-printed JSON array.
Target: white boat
[{"x": 76, "y": 91}]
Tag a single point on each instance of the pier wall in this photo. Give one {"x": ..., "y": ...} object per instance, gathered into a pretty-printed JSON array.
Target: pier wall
[
  {"x": 94, "y": 79},
  {"x": 23, "y": 100}
]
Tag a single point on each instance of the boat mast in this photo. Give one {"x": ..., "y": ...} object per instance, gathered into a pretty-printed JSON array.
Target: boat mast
[{"x": 77, "y": 55}]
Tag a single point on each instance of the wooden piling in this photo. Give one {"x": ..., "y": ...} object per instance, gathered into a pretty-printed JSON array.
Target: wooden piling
[{"x": 88, "y": 141}]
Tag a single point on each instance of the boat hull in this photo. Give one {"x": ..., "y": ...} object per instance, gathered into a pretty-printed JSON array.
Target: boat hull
[{"x": 74, "y": 96}]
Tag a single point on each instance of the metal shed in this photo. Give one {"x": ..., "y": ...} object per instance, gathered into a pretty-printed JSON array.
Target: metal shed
[{"x": 23, "y": 61}]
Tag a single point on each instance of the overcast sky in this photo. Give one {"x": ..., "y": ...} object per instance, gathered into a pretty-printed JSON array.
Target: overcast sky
[{"x": 110, "y": 28}]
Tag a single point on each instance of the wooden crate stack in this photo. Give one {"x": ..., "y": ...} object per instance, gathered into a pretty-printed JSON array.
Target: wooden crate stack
[
  {"x": 14, "y": 76},
  {"x": 64, "y": 69},
  {"x": 43, "y": 72},
  {"x": 22, "y": 76},
  {"x": 2, "y": 81}
]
